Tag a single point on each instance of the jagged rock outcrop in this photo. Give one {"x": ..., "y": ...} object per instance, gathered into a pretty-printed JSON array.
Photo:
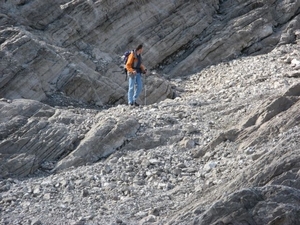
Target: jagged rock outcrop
[
  {"x": 101, "y": 141},
  {"x": 272, "y": 118},
  {"x": 73, "y": 46},
  {"x": 247, "y": 207},
  {"x": 33, "y": 133},
  {"x": 43, "y": 62}
]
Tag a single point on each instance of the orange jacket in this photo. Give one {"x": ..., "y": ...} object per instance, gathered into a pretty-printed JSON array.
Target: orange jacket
[{"x": 131, "y": 61}]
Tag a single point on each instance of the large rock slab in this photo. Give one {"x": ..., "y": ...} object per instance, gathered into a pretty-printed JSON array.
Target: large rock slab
[
  {"x": 266, "y": 205},
  {"x": 43, "y": 63},
  {"x": 102, "y": 140},
  {"x": 33, "y": 133},
  {"x": 74, "y": 46}
]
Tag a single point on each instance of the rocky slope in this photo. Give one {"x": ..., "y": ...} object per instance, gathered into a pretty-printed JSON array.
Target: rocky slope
[
  {"x": 225, "y": 151},
  {"x": 218, "y": 146}
]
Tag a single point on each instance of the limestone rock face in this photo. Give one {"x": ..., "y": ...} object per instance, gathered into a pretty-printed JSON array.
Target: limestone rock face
[
  {"x": 215, "y": 139},
  {"x": 33, "y": 133},
  {"x": 74, "y": 46},
  {"x": 50, "y": 55},
  {"x": 101, "y": 141},
  {"x": 251, "y": 202}
]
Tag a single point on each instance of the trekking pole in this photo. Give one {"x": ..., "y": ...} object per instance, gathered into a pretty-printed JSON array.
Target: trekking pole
[{"x": 145, "y": 90}]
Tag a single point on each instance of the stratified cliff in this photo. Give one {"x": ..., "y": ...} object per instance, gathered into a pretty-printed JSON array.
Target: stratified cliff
[
  {"x": 74, "y": 46},
  {"x": 215, "y": 140}
]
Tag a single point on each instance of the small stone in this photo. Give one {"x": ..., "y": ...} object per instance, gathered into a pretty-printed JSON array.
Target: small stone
[
  {"x": 199, "y": 153},
  {"x": 154, "y": 161},
  {"x": 36, "y": 190},
  {"x": 119, "y": 221},
  {"x": 295, "y": 62},
  {"x": 210, "y": 165},
  {"x": 198, "y": 211},
  {"x": 47, "y": 196},
  {"x": 187, "y": 143},
  {"x": 85, "y": 193},
  {"x": 155, "y": 212},
  {"x": 249, "y": 151},
  {"x": 177, "y": 171},
  {"x": 181, "y": 165},
  {"x": 148, "y": 219},
  {"x": 36, "y": 222}
]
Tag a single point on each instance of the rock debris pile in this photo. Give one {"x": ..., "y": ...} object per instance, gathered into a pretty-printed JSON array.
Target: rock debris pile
[{"x": 225, "y": 150}]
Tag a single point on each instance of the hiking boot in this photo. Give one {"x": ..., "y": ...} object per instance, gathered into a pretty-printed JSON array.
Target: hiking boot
[
  {"x": 130, "y": 104},
  {"x": 136, "y": 104}
]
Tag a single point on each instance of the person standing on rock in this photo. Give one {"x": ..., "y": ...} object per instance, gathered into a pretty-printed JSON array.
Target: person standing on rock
[{"x": 135, "y": 68}]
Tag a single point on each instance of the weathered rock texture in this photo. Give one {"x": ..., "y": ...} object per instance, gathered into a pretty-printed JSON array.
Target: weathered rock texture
[
  {"x": 73, "y": 46},
  {"x": 216, "y": 143},
  {"x": 32, "y": 133}
]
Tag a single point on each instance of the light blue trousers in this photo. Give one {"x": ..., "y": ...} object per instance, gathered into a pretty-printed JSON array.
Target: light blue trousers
[{"x": 135, "y": 87}]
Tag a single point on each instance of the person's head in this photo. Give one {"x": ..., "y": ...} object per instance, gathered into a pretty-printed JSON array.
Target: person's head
[{"x": 139, "y": 49}]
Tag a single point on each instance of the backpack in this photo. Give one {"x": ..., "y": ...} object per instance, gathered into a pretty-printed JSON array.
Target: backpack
[{"x": 125, "y": 58}]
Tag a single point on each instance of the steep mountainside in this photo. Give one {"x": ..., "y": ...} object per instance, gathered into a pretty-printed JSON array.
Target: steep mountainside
[
  {"x": 73, "y": 47},
  {"x": 216, "y": 140}
]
